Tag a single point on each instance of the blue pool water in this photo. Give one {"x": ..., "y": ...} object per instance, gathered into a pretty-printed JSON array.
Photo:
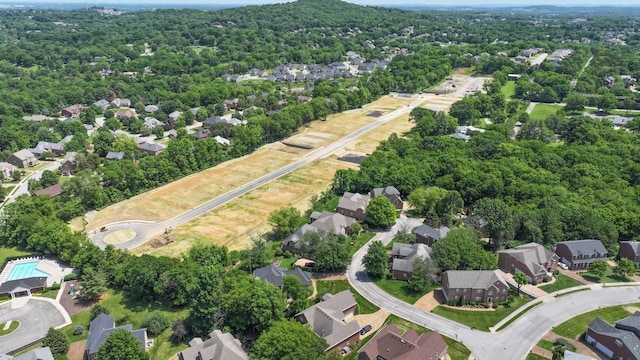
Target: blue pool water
[{"x": 26, "y": 270}]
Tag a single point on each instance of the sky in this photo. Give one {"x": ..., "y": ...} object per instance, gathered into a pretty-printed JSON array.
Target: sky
[{"x": 437, "y": 3}]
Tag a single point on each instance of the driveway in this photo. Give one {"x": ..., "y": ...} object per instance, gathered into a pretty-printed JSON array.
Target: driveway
[
  {"x": 517, "y": 339},
  {"x": 35, "y": 317}
]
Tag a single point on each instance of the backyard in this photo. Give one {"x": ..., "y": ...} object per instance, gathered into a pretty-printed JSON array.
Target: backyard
[
  {"x": 126, "y": 311},
  {"x": 543, "y": 111},
  {"x": 479, "y": 318},
  {"x": 562, "y": 282},
  {"x": 509, "y": 89}
]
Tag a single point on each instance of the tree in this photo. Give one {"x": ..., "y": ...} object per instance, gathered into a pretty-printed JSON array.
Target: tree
[
  {"x": 251, "y": 304},
  {"x": 380, "y": 212},
  {"x": 298, "y": 293},
  {"x": 260, "y": 253},
  {"x": 49, "y": 178},
  {"x": 94, "y": 284},
  {"x": 179, "y": 331},
  {"x": 158, "y": 131},
  {"x": 499, "y": 217},
  {"x": 288, "y": 340},
  {"x": 575, "y": 102},
  {"x": 329, "y": 252},
  {"x": 375, "y": 260},
  {"x": 96, "y": 310},
  {"x": 155, "y": 323},
  {"x": 423, "y": 274},
  {"x": 121, "y": 345},
  {"x": 625, "y": 267},
  {"x": 598, "y": 268},
  {"x": 285, "y": 221},
  {"x": 57, "y": 341},
  {"x": 461, "y": 250},
  {"x": 520, "y": 279}
]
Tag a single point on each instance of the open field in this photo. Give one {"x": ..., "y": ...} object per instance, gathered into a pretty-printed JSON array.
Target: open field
[
  {"x": 543, "y": 111},
  {"x": 169, "y": 200},
  {"x": 509, "y": 89}
]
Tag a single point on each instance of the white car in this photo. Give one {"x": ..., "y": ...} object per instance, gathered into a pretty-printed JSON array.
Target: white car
[{"x": 563, "y": 266}]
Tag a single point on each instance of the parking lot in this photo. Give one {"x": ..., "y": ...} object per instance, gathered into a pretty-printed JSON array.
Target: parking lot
[{"x": 35, "y": 317}]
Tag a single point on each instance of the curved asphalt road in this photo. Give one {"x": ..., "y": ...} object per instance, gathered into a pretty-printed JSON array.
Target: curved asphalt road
[
  {"x": 146, "y": 230},
  {"x": 517, "y": 339}
]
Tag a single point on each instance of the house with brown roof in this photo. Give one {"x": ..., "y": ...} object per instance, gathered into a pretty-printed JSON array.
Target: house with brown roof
[
  {"x": 404, "y": 255},
  {"x": 99, "y": 330},
  {"x": 353, "y": 205},
  {"x": 428, "y": 235},
  {"x": 332, "y": 320},
  {"x": 579, "y": 254},
  {"x": 630, "y": 250},
  {"x": 150, "y": 148},
  {"x": 486, "y": 286},
  {"x": 73, "y": 110},
  {"x": 22, "y": 159},
  {"x": 53, "y": 191},
  {"x": 68, "y": 164},
  {"x": 125, "y": 114},
  {"x": 532, "y": 259},
  {"x": 389, "y": 344},
  {"x": 219, "y": 346},
  {"x": 391, "y": 193},
  {"x": 620, "y": 341}
]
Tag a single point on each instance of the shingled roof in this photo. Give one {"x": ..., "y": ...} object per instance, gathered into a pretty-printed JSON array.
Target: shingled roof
[
  {"x": 275, "y": 274},
  {"x": 409, "y": 253},
  {"x": 389, "y": 344},
  {"x": 473, "y": 279},
  {"x": 219, "y": 346}
]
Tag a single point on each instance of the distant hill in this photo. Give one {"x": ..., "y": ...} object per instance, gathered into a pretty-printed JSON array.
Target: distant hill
[{"x": 312, "y": 14}]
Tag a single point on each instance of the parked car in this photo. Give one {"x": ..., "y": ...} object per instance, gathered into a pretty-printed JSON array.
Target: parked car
[
  {"x": 563, "y": 266},
  {"x": 365, "y": 329}
]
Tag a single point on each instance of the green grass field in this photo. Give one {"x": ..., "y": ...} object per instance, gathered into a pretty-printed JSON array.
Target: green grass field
[
  {"x": 11, "y": 252},
  {"x": 509, "y": 89},
  {"x": 543, "y": 111},
  {"x": 401, "y": 290},
  {"x": 546, "y": 344},
  {"x": 608, "y": 277},
  {"x": 14, "y": 325},
  {"x": 572, "y": 328},
  {"x": 125, "y": 312},
  {"x": 481, "y": 320},
  {"x": 535, "y": 357},
  {"x": 562, "y": 282},
  {"x": 336, "y": 286}
]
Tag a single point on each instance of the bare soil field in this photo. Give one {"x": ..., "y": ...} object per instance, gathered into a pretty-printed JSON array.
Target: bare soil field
[{"x": 169, "y": 200}]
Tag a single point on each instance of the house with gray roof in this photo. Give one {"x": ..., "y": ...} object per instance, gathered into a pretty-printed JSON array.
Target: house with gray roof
[
  {"x": 486, "y": 286},
  {"x": 579, "y": 254},
  {"x": 325, "y": 222},
  {"x": 22, "y": 159},
  {"x": 332, "y": 320},
  {"x": 23, "y": 287},
  {"x": 68, "y": 164},
  {"x": 570, "y": 355},
  {"x": 532, "y": 259},
  {"x": 150, "y": 148},
  {"x": 99, "y": 330},
  {"x": 151, "y": 108},
  {"x": 353, "y": 205},
  {"x": 391, "y": 193},
  {"x": 428, "y": 235},
  {"x": 152, "y": 123},
  {"x": 630, "y": 250},
  {"x": 621, "y": 341},
  {"x": 388, "y": 343},
  {"x": 41, "y": 353},
  {"x": 275, "y": 274},
  {"x": 121, "y": 103},
  {"x": 103, "y": 104},
  {"x": 56, "y": 148},
  {"x": 115, "y": 155},
  {"x": 219, "y": 346},
  {"x": 404, "y": 255}
]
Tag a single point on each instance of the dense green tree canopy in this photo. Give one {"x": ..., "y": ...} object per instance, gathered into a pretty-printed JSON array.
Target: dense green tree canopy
[{"x": 288, "y": 340}]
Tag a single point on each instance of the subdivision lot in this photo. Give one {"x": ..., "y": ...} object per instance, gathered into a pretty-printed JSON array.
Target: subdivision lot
[{"x": 171, "y": 199}]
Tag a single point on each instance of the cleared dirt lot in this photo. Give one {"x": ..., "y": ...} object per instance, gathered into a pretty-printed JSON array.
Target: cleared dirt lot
[{"x": 169, "y": 200}]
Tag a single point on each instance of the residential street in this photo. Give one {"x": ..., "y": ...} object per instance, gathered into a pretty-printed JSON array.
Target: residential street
[
  {"x": 511, "y": 343},
  {"x": 23, "y": 187}
]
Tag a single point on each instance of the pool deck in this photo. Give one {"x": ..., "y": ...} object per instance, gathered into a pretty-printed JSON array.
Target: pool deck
[{"x": 55, "y": 271}]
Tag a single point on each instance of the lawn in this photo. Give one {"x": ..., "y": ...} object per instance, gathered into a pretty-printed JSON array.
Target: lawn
[
  {"x": 509, "y": 89},
  {"x": 6, "y": 253},
  {"x": 126, "y": 311},
  {"x": 360, "y": 240},
  {"x": 546, "y": 344},
  {"x": 336, "y": 286},
  {"x": 14, "y": 325},
  {"x": 608, "y": 277},
  {"x": 401, "y": 290},
  {"x": 481, "y": 320},
  {"x": 535, "y": 357},
  {"x": 562, "y": 282},
  {"x": 543, "y": 111},
  {"x": 576, "y": 326}
]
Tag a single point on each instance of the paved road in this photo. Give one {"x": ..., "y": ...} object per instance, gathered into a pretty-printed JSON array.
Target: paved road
[
  {"x": 146, "y": 230},
  {"x": 23, "y": 186},
  {"x": 35, "y": 317},
  {"x": 515, "y": 341}
]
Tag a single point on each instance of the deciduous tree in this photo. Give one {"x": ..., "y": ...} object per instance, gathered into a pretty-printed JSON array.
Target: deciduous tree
[
  {"x": 380, "y": 212},
  {"x": 375, "y": 260},
  {"x": 288, "y": 340},
  {"x": 520, "y": 279},
  {"x": 121, "y": 345},
  {"x": 57, "y": 341}
]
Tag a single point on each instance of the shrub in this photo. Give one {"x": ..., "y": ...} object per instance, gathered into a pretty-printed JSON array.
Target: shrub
[
  {"x": 179, "y": 333},
  {"x": 564, "y": 342},
  {"x": 124, "y": 319},
  {"x": 57, "y": 341},
  {"x": 546, "y": 278},
  {"x": 155, "y": 323},
  {"x": 55, "y": 286},
  {"x": 96, "y": 310},
  {"x": 78, "y": 330},
  {"x": 556, "y": 272},
  {"x": 72, "y": 276}
]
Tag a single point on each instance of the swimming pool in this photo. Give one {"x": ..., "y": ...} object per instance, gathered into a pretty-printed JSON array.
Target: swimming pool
[{"x": 26, "y": 270}]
